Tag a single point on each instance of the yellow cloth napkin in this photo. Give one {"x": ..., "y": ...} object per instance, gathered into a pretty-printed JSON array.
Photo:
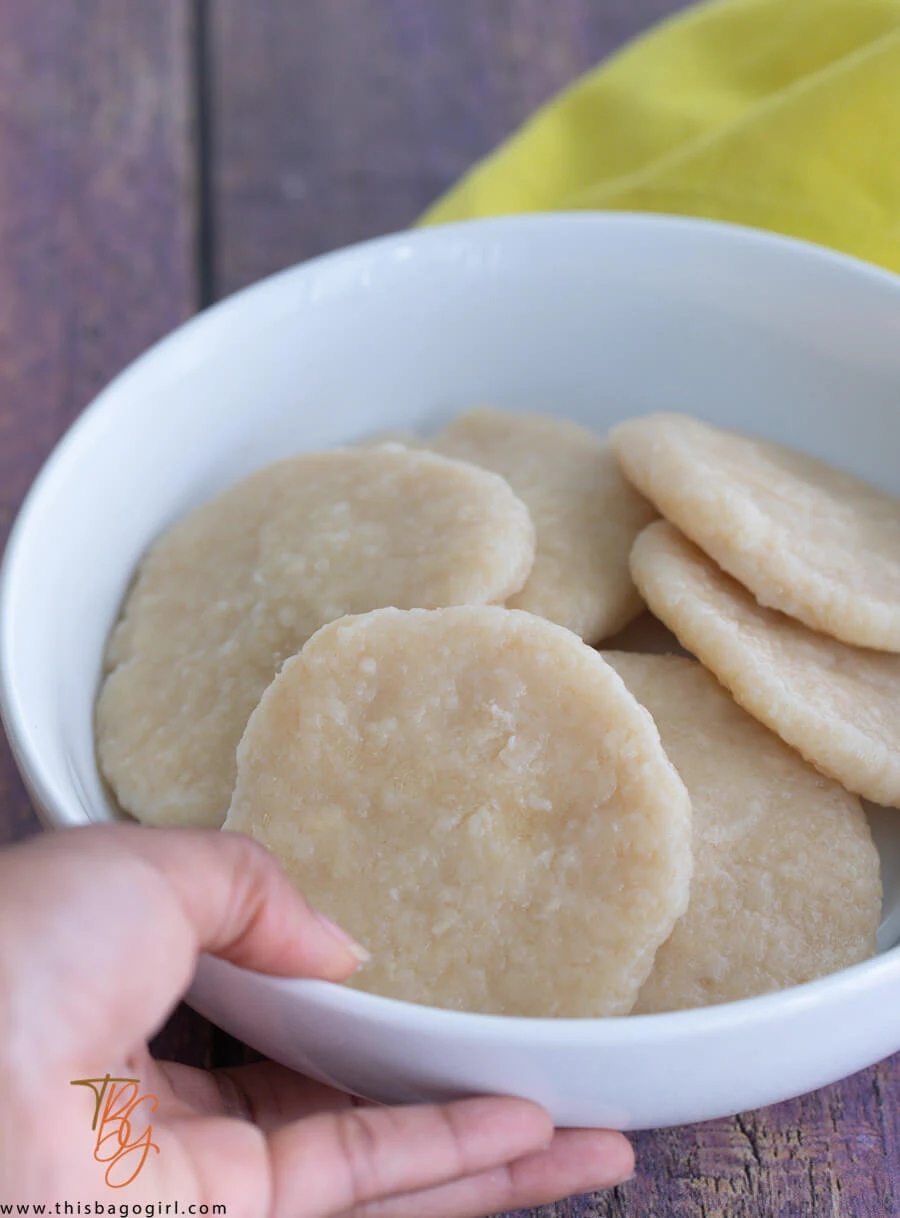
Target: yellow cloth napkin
[{"x": 783, "y": 114}]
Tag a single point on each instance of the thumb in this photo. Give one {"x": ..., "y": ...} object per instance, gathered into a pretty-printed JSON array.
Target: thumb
[{"x": 110, "y": 921}]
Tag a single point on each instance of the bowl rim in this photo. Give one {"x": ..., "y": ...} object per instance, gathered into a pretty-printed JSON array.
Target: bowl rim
[
  {"x": 623, "y": 1030},
  {"x": 51, "y": 803}
]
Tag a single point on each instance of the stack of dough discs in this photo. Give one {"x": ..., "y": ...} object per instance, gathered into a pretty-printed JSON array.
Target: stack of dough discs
[
  {"x": 786, "y": 883},
  {"x": 476, "y": 797},
  {"x": 242, "y": 582},
  {"x": 837, "y": 705},
  {"x": 586, "y": 515},
  {"x": 803, "y": 537}
]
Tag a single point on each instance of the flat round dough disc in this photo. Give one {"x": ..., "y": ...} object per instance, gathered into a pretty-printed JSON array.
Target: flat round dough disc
[
  {"x": 475, "y": 796},
  {"x": 786, "y": 883},
  {"x": 837, "y": 705},
  {"x": 805, "y": 538},
  {"x": 242, "y": 582},
  {"x": 586, "y": 515}
]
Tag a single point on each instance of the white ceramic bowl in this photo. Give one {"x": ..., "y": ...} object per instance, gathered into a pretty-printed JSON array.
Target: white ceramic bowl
[{"x": 594, "y": 317}]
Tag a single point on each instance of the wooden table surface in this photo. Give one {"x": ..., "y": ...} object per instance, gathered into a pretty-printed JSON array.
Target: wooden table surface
[{"x": 157, "y": 155}]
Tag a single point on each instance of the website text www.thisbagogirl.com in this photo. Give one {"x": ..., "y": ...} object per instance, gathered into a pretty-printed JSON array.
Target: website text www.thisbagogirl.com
[{"x": 114, "y": 1209}]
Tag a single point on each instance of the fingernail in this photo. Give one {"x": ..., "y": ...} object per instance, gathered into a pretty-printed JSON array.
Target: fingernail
[{"x": 341, "y": 935}]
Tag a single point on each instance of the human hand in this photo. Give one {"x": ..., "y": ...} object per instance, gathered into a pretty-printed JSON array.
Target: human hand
[{"x": 100, "y": 930}]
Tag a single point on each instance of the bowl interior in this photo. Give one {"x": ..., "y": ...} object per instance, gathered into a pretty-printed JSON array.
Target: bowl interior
[{"x": 594, "y": 318}]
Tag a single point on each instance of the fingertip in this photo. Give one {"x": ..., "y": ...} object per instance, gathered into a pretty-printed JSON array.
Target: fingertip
[
  {"x": 339, "y": 965},
  {"x": 360, "y": 954},
  {"x": 618, "y": 1156},
  {"x": 601, "y": 1158},
  {"x": 282, "y": 933},
  {"x": 320, "y": 948}
]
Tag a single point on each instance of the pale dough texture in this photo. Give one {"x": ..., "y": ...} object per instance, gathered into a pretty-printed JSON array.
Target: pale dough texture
[
  {"x": 475, "y": 796},
  {"x": 786, "y": 884},
  {"x": 804, "y": 537},
  {"x": 837, "y": 705},
  {"x": 585, "y": 513},
  {"x": 243, "y": 581}
]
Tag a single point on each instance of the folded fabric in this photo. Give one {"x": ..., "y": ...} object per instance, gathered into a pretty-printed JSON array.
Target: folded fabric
[{"x": 783, "y": 114}]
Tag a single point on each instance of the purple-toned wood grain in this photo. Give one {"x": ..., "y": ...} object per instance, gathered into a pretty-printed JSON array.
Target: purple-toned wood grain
[
  {"x": 97, "y": 249},
  {"x": 832, "y": 1154},
  {"x": 337, "y": 120},
  {"x": 96, "y": 246}
]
